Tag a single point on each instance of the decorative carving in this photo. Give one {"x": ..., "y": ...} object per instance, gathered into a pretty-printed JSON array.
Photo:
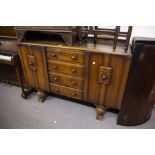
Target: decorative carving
[
  {"x": 41, "y": 96},
  {"x": 100, "y": 112},
  {"x": 32, "y": 62},
  {"x": 104, "y": 75}
]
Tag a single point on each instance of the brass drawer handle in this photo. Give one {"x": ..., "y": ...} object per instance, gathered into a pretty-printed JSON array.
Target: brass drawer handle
[
  {"x": 73, "y": 94},
  {"x": 73, "y": 57},
  {"x": 56, "y": 90},
  {"x": 55, "y": 78},
  {"x": 53, "y": 55},
  {"x": 54, "y": 67},
  {"x": 73, "y": 70}
]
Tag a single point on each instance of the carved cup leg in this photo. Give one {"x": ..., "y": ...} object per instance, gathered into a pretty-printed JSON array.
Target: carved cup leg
[
  {"x": 26, "y": 93},
  {"x": 100, "y": 112},
  {"x": 41, "y": 96}
]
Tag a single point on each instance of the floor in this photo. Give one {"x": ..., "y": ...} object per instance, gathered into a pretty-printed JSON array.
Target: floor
[{"x": 54, "y": 113}]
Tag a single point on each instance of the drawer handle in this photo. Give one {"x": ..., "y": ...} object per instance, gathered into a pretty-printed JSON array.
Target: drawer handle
[
  {"x": 73, "y": 94},
  {"x": 53, "y": 55},
  {"x": 55, "y": 78},
  {"x": 56, "y": 90},
  {"x": 73, "y": 83},
  {"x": 54, "y": 67},
  {"x": 0, "y": 43},
  {"x": 73, "y": 57},
  {"x": 73, "y": 70}
]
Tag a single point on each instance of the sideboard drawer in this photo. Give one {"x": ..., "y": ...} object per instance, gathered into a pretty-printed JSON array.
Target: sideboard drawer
[
  {"x": 69, "y": 81},
  {"x": 65, "y": 55},
  {"x": 66, "y": 91},
  {"x": 66, "y": 68}
]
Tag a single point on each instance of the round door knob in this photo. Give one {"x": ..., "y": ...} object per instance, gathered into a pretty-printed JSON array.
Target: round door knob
[
  {"x": 104, "y": 77},
  {"x": 73, "y": 70},
  {"x": 55, "y": 78},
  {"x": 53, "y": 54},
  {"x": 73, "y": 83},
  {"x": 73, "y": 94},
  {"x": 73, "y": 57},
  {"x": 54, "y": 67}
]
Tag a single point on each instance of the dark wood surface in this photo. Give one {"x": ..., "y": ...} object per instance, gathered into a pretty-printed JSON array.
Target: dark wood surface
[{"x": 139, "y": 95}]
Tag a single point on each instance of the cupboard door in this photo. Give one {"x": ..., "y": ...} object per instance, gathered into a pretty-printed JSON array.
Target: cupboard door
[
  {"x": 35, "y": 68},
  {"x": 107, "y": 79}
]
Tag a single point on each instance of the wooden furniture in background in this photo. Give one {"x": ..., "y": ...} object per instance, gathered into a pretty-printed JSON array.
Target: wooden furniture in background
[
  {"x": 139, "y": 97},
  {"x": 112, "y": 34},
  {"x": 8, "y": 45}
]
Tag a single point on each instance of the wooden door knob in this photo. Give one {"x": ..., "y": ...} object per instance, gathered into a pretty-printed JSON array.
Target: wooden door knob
[
  {"x": 73, "y": 70},
  {"x": 104, "y": 77}
]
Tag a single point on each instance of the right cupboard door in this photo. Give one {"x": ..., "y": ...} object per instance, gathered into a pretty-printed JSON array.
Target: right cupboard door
[{"x": 107, "y": 79}]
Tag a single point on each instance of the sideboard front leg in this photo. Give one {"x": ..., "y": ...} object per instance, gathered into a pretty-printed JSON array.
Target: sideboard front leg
[
  {"x": 41, "y": 96},
  {"x": 100, "y": 112}
]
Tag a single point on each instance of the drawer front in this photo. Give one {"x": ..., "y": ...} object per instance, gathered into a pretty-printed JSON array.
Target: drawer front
[
  {"x": 8, "y": 45},
  {"x": 66, "y": 68},
  {"x": 65, "y": 55},
  {"x": 77, "y": 83},
  {"x": 65, "y": 91}
]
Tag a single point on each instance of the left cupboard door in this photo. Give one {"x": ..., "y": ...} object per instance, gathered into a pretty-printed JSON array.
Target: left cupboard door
[{"x": 34, "y": 65}]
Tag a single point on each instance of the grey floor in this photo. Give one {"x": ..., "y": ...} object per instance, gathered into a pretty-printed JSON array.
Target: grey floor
[{"x": 54, "y": 113}]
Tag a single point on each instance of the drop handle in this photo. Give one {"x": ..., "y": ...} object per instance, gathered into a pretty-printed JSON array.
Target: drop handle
[{"x": 104, "y": 77}]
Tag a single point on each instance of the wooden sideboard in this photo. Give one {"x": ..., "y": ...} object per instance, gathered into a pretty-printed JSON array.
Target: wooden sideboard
[{"x": 96, "y": 74}]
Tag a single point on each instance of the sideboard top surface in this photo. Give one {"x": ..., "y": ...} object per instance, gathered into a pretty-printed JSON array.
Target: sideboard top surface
[{"x": 91, "y": 47}]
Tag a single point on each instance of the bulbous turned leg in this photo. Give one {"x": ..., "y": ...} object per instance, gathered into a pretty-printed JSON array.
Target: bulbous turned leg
[
  {"x": 100, "y": 113},
  {"x": 41, "y": 96}
]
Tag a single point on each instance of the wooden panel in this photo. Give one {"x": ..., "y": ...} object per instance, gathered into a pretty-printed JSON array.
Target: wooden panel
[
  {"x": 66, "y": 91},
  {"x": 115, "y": 90},
  {"x": 41, "y": 71},
  {"x": 66, "y": 55},
  {"x": 77, "y": 83},
  {"x": 94, "y": 86},
  {"x": 66, "y": 68},
  {"x": 28, "y": 73}
]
